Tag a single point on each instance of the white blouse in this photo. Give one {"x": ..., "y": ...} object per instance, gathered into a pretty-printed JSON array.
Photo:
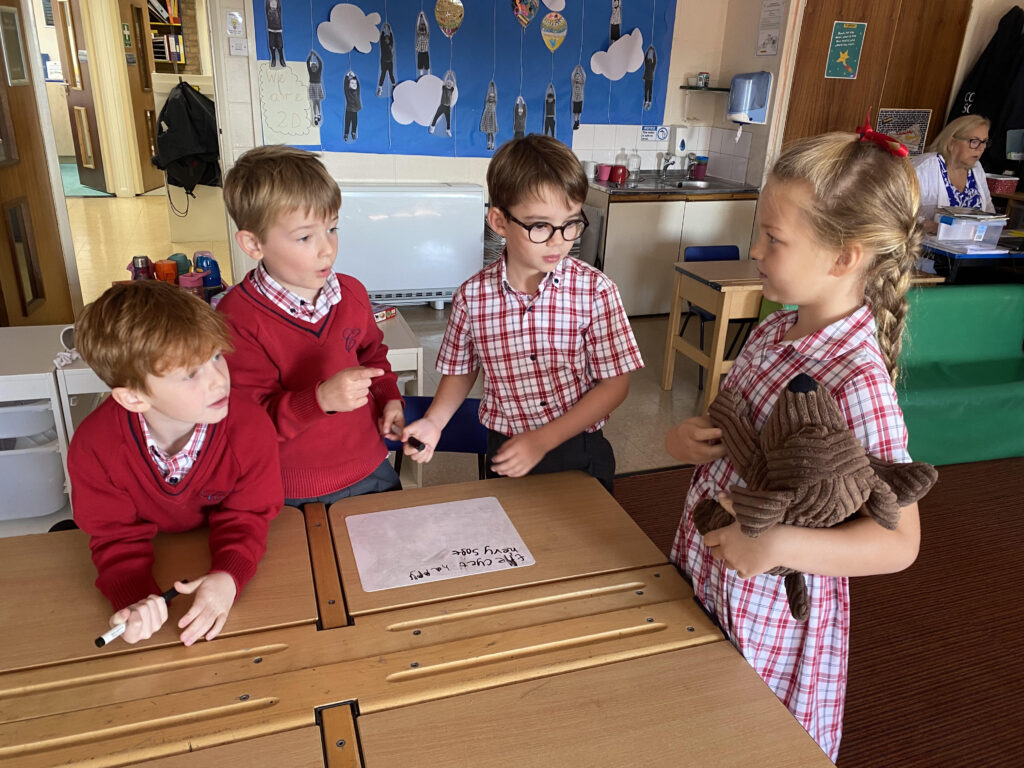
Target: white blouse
[{"x": 933, "y": 191}]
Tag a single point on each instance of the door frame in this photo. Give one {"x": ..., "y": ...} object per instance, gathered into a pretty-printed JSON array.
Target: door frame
[{"x": 56, "y": 184}]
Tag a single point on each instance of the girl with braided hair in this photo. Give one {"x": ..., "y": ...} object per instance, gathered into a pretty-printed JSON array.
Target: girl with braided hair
[{"x": 837, "y": 236}]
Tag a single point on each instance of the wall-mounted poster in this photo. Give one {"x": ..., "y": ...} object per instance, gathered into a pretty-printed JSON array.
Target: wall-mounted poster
[
  {"x": 844, "y": 50},
  {"x": 908, "y": 126},
  {"x": 450, "y": 78}
]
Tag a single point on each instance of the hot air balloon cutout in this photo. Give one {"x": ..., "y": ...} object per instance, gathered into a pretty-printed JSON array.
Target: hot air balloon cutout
[
  {"x": 449, "y": 15},
  {"x": 524, "y": 11},
  {"x": 552, "y": 30},
  {"x": 489, "y": 116}
]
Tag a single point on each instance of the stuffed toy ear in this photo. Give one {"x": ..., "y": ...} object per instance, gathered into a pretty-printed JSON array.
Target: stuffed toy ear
[
  {"x": 909, "y": 481},
  {"x": 757, "y": 511},
  {"x": 709, "y": 516}
]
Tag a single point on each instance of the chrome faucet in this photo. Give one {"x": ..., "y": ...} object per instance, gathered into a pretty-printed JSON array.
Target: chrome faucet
[
  {"x": 688, "y": 162},
  {"x": 667, "y": 162}
]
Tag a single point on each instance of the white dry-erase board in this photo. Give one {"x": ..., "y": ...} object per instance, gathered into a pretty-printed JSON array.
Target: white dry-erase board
[{"x": 402, "y": 547}]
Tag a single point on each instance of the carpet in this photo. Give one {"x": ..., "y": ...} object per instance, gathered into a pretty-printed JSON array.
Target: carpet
[{"x": 933, "y": 677}]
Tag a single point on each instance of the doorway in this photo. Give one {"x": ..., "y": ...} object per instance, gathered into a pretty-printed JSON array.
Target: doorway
[{"x": 108, "y": 230}]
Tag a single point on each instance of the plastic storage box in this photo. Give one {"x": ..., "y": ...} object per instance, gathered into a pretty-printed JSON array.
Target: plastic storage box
[
  {"x": 956, "y": 228},
  {"x": 31, "y": 472}
]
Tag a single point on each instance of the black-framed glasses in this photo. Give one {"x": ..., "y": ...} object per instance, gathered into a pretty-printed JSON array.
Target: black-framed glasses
[
  {"x": 543, "y": 231},
  {"x": 974, "y": 143}
]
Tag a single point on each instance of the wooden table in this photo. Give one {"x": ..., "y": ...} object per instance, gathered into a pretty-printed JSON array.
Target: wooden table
[
  {"x": 730, "y": 290},
  {"x": 593, "y": 622}
]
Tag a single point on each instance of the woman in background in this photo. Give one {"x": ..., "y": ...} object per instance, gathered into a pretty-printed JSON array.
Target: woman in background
[{"x": 950, "y": 173}]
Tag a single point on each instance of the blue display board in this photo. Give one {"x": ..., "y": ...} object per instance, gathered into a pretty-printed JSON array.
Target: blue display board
[{"x": 311, "y": 54}]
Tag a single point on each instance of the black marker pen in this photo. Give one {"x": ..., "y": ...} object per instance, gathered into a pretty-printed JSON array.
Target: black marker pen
[{"x": 117, "y": 630}]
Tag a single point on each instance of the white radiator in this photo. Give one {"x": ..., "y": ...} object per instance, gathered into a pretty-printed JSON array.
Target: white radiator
[{"x": 411, "y": 243}]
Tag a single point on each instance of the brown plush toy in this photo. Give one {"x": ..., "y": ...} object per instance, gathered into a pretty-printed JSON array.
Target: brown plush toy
[{"x": 806, "y": 468}]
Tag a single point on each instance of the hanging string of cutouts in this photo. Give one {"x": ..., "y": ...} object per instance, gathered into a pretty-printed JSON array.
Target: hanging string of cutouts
[
  {"x": 312, "y": 41},
  {"x": 494, "y": 39},
  {"x": 654, "y": 17},
  {"x": 387, "y": 102}
]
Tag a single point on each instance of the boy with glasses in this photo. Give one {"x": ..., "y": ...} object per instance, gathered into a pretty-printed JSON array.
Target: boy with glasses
[{"x": 548, "y": 330}]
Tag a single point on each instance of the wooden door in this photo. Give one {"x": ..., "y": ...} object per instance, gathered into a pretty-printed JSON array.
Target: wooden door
[
  {"x": 911, "y": 49},
  {"x": 138, "y": 56},
  {"x": 818, "y": 104},
  {"x": 33, "y": 281},
  {"x": 74, "y": 57}
]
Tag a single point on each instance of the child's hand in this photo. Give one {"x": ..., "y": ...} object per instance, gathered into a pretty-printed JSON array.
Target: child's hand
[
  {"x": 695, "y": 441},
  {"x": 519, "y": 454},
  {"x": 215, "y": 594},
  {"x": 428, "y": 433},
  {"x": 748, "y": 557},
  {"x": 392, "y": 420},
  {"x": 143, "y": 618},
  {"x": 347, "y": 390}
]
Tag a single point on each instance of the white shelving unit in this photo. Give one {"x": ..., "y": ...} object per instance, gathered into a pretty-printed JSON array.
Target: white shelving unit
[{"x": 30, "y": 400}]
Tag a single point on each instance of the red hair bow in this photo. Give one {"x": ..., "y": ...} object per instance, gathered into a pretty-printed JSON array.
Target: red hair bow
[{"x": 888, "y": 143}]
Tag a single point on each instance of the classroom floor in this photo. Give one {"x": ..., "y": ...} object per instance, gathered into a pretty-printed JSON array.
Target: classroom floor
[{"x": 107, "y": 232}]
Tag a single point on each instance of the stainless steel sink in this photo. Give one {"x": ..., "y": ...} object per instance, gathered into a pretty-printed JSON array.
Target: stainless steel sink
[{"x": 648, "y": 182}]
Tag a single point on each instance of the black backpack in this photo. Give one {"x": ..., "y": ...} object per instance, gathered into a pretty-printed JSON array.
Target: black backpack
[{"x": 186, "y": 140}]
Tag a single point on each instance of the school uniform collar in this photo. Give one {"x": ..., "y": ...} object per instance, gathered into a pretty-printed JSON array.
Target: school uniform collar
[
  {"x": 553, "y": 280},
  {"x": 293, "y": 304},
  {"x": 833, "y": 341}
]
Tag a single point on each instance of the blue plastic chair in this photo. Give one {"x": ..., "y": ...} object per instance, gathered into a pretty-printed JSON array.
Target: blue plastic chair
[
  {"x": 713, "y": 253},
  {"x": 463, "y": 434}
]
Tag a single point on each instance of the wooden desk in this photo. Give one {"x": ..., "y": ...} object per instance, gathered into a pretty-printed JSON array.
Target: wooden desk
[
  {"x": 587, "y": 626},
  {"x": 52, "y": 613},
  {"x": 730, "y": 290},
  {"x": 700, "y": 706}
]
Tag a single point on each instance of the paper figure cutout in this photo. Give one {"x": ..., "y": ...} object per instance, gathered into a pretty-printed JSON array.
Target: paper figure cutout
[
  {"x": 489, "y": 118},
  {"x": 416, "y": 101},
  {"x": 352, "y": 105},
  {"x": 449, "y": 15},
  {"x": 349, "y": 28},
  {"x": 524, "y": 11},
  {"x": 555, "y": 5},
  {"x": 549, "y": 111},
  {"x": 625, "y": 55},
  {"x": 552, "y": 30},
  {"x": 387, "y": 57},
  {"x": 422, "y": 46},
  {"x": 519, "y": 118},
  {"x": 615, "y": 22},
  {"x": 650, "y": 64},
  {"x": 444, "y": 108},
  {"x": 579, "y": 79},
  {"x": 315, "y": 68},
  {"x": 275, "y": 32}
]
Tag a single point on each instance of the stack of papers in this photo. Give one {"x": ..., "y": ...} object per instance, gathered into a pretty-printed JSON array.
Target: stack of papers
[
  {"x": 963, "y": 246},
  {"x": 968, "y": 213}
]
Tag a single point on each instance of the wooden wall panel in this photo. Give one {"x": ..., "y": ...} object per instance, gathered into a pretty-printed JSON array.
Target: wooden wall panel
[
  {"x": 923, "y": 61},
  {"x": 818, "y": 104}
]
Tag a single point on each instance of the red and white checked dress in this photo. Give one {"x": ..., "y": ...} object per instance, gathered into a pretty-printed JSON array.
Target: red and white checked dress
[
  {"x": 540, "y": 354},
  {"x": 804, "y": 663}
]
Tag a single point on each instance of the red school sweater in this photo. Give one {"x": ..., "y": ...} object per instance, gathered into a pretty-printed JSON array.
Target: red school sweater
[
  {"x": 121, "y": 499},
  {"x": 279, "y": 362}
]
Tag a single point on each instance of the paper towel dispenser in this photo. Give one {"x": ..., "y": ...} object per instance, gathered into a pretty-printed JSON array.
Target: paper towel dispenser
[{"x": 748, "y": 97}]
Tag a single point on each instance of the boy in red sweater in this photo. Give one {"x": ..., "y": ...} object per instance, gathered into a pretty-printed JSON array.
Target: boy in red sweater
[
  {"x": 169, "y": 450},
  {"x": 307, "y": 347}
]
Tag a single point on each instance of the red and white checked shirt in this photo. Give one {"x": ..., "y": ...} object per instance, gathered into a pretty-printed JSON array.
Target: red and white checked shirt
[
  {"x": 540, "y": 354},
  {"x": 174, "y": 468},
  {"x": 292, "y": 303},
  {"x": 804, "y": 663}
]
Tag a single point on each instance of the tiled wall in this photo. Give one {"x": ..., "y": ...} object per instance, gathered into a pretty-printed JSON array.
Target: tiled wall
[
  {"x": 601, "y": 143},
  {"x": 727, "y": 158}
]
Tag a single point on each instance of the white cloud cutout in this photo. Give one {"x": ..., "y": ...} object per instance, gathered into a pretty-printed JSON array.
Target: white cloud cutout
[
  {"x": 555, "y": 5},
  {"x": 416, "y": 101},
  {"x": 625, "y": 55},
  {"x": 349, "y": 28}
]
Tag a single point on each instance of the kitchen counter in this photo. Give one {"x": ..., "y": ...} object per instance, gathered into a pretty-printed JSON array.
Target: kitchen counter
[{"x": 674, "y": 187}]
